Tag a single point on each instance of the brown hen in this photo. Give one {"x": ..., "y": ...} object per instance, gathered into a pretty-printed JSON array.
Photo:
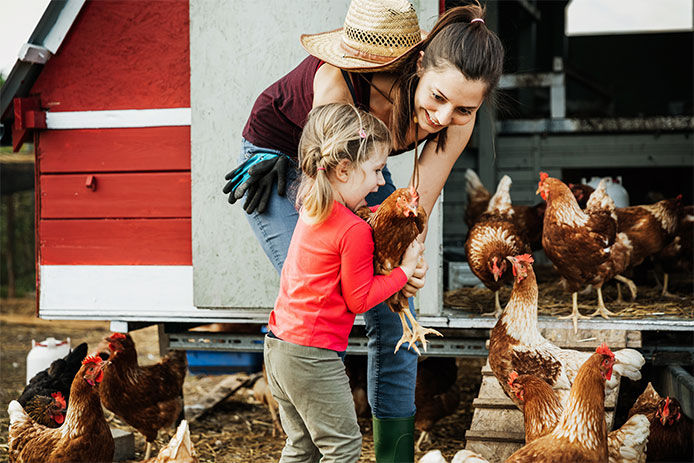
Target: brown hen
[
  {"x": 396, "y": 223},
  {"x": 491, "y": 239},
  {"x": 584, "y": 245},
  {"x": 84, "y": 436},
  {"x": 147, "y": 398}
]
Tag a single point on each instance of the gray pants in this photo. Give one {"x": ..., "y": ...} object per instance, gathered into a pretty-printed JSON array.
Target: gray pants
[{"x": 316, "y": 405}]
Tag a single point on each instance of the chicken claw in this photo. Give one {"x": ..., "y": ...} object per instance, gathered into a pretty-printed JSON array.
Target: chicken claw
[
  {"x": 416, "y": 333},
  {"x": 497, "y": 307},
  {"x": 602, "y": 310},
  {"x": 575, "y": 314}
]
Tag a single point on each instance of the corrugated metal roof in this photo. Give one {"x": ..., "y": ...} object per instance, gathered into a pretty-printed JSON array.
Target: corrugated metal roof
[{"x": 48, "y": 33}]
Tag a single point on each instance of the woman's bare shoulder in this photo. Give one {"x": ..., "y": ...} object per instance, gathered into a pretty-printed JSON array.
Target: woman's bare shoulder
[{"x": 329, "y": 86}]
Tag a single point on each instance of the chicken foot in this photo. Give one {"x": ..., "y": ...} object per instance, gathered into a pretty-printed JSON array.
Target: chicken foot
[
  {"x": 665, "y": 292},
  {"x": 497, "y": 307},
  {"x": 423, "y": 437},
  {"x": 630, "y": 284},
  {"x": 575, "y": 314},
  {"x": 602, "y": 310},
  {"x": 414, "y": 334}
]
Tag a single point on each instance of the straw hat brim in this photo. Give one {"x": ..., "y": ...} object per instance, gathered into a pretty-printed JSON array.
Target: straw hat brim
[{"x": 326, "y": 46}]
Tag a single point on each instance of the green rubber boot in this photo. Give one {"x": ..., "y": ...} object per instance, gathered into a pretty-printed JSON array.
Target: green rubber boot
[{"x": 394, "y": 439}]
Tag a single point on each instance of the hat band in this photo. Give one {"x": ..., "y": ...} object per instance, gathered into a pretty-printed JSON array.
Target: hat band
[{"x": 352, "y": 52}]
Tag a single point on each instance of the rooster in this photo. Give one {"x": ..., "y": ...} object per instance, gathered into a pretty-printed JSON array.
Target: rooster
[
  {"x": 147, "y": 398},
  {"x": 47, "y": 411},
  {"x": 528, "y": 219},
  {"x": 580, "y": 435},
  {"x": 671, "y": 430},
  {"x": 396, "y": 223},
  {"x": 542, "y": 411},
  {"x": 604, "y": 253},
  {"x": 84, "y": 436},
  {"x": 491, "y": 239},
  {"x": 516, "y": 344}
]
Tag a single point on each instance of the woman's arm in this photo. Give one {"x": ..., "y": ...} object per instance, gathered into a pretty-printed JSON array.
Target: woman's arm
[{"x": 434, "y": 167}]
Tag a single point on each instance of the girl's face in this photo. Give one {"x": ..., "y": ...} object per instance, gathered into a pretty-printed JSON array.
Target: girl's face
[
  {"x": 364, "y": 179},
  {"x": 444, "y": 97}
]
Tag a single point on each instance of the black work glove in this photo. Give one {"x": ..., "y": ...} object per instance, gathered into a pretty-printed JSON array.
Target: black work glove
[{"x": 255, "y": 178}]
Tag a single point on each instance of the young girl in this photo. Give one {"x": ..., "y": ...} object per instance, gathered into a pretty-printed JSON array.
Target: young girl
[{"x": 326, "y": 280}]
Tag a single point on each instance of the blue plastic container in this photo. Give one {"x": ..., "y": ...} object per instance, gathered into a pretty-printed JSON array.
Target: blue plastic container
[{"x": 208, "y": 362}]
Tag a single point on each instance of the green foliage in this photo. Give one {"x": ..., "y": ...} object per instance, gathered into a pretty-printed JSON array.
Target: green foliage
[{"x": 23, "y": 250}]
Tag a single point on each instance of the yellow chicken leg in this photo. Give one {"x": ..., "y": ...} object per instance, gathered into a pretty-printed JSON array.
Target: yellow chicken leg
[
  {"x": 497, "y": 307},
  {"x": 575, "y": 314},
  {"x": 630, "y": 284},
  {"x": 416, "y": 333},
  {"x": 602, "y": 310}
]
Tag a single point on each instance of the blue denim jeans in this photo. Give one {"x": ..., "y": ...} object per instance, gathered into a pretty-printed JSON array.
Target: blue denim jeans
[{"x": 391, "y": 377}]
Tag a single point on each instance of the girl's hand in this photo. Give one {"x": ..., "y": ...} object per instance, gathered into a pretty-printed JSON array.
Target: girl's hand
[
  {"x": 410, "y": 258},
  {"x": 418, "y": 278}
]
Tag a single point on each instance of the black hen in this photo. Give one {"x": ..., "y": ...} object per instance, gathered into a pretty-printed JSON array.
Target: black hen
[{"x": 56, "y": 378}]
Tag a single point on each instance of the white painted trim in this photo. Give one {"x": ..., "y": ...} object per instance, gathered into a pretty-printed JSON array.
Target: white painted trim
[
  {"x": 125, "y": 118},
  {"x": 129, "y": 293},
  {"x": 62, "y": 25}
]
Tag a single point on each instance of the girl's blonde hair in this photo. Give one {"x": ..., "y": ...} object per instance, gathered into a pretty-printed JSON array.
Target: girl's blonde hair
[{"x": 334, "y": 132}]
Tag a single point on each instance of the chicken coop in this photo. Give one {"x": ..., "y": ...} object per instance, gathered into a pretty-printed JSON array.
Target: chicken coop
[{"x": 135, "y": 111}]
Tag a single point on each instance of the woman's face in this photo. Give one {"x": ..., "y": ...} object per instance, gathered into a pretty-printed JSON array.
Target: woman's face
[{"x": 444, "y": 97}]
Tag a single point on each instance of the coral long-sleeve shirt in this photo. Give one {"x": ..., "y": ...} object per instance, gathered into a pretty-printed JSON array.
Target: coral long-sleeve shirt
[{"x": 328, "y": 278}]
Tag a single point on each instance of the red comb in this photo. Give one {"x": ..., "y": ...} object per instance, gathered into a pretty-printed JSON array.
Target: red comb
[
  {"x": 604, "y": 350},
  {"x": 92, "y": 359},
  {"x": 117, "y": 336},
  {"x": 525, "y": 258},
  {"x": 58, "y": 396},
  {"x": 512, "y": 377},
  {"x": 543, "y": 176}
]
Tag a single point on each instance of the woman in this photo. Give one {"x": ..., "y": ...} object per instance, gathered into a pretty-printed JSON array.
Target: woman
[{"x": 424, "y": 89}]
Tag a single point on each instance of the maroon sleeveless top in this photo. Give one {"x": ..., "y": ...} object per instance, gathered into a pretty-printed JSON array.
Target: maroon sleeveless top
[{"x": 279, "y": 113}]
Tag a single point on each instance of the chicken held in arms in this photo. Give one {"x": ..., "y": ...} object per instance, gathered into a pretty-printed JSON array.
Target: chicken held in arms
[
  {"x": 84, "y": 436},
  {"x": 396, "y": 223},
  {"x": 584, "y": 245},
  {"x": 147, "y": 398},
  {"x": 516, "y": 343},
  {"x": 491, "y": 239}
]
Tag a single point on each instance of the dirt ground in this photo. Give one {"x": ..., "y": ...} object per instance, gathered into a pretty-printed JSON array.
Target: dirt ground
[{"x": 237, "y": 430}]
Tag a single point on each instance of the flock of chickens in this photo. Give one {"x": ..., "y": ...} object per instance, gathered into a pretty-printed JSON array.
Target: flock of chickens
[
  {"x": 587, "y": 238},
  {"x": 59, "y": 416},
  {"x": 561, "y": 393}
]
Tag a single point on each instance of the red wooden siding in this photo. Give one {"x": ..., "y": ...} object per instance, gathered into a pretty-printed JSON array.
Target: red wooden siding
[
  {"x": 114, "y": 150},
  {"x": 116, "y": 242},
  {"x": 161, "y": 194},
  {"x": 121, "y": 55}
]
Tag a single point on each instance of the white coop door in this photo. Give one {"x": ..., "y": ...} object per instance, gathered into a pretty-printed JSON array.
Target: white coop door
[{"x": 237, "y": 49}]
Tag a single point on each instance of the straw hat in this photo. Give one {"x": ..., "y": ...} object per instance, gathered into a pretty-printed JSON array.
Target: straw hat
[{"x": 375, "y": 35}]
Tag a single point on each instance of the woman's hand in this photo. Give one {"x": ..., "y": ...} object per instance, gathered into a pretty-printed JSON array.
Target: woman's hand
[
  {"x": 411, "y": 258},
  {"x": 418, "y": 278}
]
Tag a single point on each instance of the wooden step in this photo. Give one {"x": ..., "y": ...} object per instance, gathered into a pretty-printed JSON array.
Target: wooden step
[{"x": 495, "y": 436}]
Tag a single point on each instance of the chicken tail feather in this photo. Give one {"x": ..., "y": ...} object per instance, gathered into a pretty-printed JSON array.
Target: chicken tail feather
[
  {"x": 628, "y": 363},
  {"x": 16, "y": 412}
]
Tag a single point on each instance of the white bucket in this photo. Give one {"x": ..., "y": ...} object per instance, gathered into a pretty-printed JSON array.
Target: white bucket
[{"x": 43, "y": 353}]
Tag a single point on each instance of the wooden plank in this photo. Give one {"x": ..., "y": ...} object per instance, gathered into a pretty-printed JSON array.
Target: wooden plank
[
  {"x": 115, "y": 242},
  {"x": 121, "y": 55},
  {"x": 501, "y": 420},
  {"x": 160, "y": 194},
  {"x": 114, "y": 150},
  {"x": 225, "y": 388},
  {"x": 495, "y": 436}
]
